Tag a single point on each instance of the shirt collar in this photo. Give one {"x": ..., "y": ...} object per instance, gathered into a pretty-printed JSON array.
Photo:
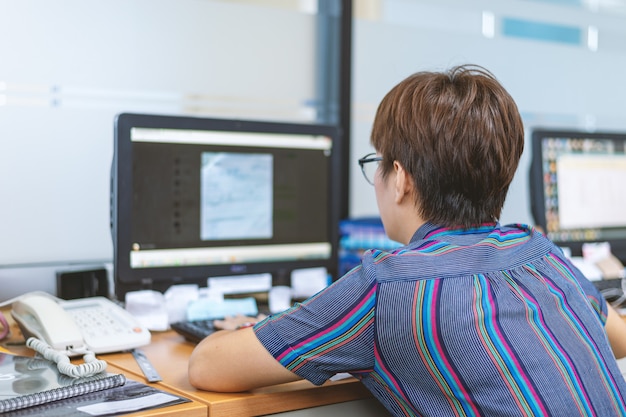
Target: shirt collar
[{"x": 431, "y": 231}]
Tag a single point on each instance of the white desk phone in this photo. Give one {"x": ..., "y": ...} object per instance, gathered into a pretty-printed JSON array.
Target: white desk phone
[{"x": 95, "y": 324}]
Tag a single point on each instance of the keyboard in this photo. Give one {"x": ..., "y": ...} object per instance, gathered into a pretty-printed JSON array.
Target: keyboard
[{"x": 194, "y": 330}]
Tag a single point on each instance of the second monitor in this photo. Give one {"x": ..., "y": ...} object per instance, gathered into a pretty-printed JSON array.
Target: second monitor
[{"x": 577, "y": 188}]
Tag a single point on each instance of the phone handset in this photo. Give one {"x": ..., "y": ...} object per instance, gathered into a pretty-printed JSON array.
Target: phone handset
[
  {"x": 42, "y": 317},
  {"x": 51, "y": 331}
]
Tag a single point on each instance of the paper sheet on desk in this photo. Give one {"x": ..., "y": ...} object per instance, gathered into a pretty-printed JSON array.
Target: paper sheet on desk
[
  {"x": 127, "y": 406},
  {"x": 148, "y": 307},
  {"x": 210, "y": 309},
  {"x": 340, "y": 376},
  {"x": 589, "y": 270}
]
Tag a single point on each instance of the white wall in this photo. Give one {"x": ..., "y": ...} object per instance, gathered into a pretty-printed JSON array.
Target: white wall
[
  {"x": 554, "y": 84},
  {"x": 68, "y": 66}
]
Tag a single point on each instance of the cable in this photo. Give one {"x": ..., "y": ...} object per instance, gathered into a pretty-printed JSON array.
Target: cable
[{"x": 91, "y": 366}]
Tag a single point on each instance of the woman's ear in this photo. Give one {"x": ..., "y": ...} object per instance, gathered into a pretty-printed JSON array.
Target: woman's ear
[{"x": 403, "y": 183}]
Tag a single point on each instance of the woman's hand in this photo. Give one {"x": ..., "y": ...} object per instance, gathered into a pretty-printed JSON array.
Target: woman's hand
[{"x": 237, "y": 322}]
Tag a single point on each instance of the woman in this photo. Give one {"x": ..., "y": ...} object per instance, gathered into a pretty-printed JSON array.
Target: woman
[{"x": 469, "y": 317}]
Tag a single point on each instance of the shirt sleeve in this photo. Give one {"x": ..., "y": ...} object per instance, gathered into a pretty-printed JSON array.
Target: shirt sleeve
[
  {"x": 595, "y": 297},
  {"x": 329, "y": 333}
]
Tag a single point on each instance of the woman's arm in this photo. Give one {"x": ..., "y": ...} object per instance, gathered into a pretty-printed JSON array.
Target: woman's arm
[
  {"x": 235, "y": 360},
  {"x": 616, "y": 331}
]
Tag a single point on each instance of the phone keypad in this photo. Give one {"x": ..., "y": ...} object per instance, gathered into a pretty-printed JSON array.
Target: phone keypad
[
  {"x": 96, "y": 322},
  {"x": 104, "y": 328}
]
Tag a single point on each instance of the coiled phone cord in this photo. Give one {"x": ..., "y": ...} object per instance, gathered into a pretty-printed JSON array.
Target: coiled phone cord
[{"x": 92, "y": 366}]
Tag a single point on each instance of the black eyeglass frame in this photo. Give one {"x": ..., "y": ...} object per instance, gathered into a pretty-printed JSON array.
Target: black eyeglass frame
[{"x": 370, "y": 157}]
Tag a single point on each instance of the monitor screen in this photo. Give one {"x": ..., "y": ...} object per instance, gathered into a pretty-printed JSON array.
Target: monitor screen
[
  {"x": 194, "y": 198},
  {"x": 577, "y": 184}
]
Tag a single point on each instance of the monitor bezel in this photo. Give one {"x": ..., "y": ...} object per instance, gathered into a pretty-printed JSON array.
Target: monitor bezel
[
  {"x": 536, "y": 191},
  {"x": 127, "y": 279}
]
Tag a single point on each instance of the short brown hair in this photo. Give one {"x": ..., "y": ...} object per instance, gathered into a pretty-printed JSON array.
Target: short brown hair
[{"x": 459, "y": 135}]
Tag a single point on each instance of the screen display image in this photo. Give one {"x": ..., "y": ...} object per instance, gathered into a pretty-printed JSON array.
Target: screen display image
[
  {"x": 577, "y": 188},
  {"x": 236, "y": 196},
  {"x": 194, "y": 198}
]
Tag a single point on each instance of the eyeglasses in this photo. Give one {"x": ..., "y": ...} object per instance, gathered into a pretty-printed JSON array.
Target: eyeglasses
[{"x": 369, "y": 170}]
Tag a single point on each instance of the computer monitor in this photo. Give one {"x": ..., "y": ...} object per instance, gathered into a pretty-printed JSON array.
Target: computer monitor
[
  {"x": 194, "y": 198},
  {"x": 578, "y": 188}
]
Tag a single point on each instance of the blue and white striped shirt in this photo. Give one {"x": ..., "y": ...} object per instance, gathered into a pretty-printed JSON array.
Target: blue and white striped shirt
[{"x": 492, "y": 321}]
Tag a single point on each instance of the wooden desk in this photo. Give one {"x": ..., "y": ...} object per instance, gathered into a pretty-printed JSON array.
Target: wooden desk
[
  {"x": 191, "y": 409},
  {"x": 169, "y": 353}
]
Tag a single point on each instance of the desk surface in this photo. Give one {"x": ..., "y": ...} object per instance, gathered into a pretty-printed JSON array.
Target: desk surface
[
  {"x": 169, "y": 354},
  {"x": 192, "y": 409}
]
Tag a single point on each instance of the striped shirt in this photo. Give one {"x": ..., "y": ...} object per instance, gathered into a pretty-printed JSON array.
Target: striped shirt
[{"x": 492, "y": 321}]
